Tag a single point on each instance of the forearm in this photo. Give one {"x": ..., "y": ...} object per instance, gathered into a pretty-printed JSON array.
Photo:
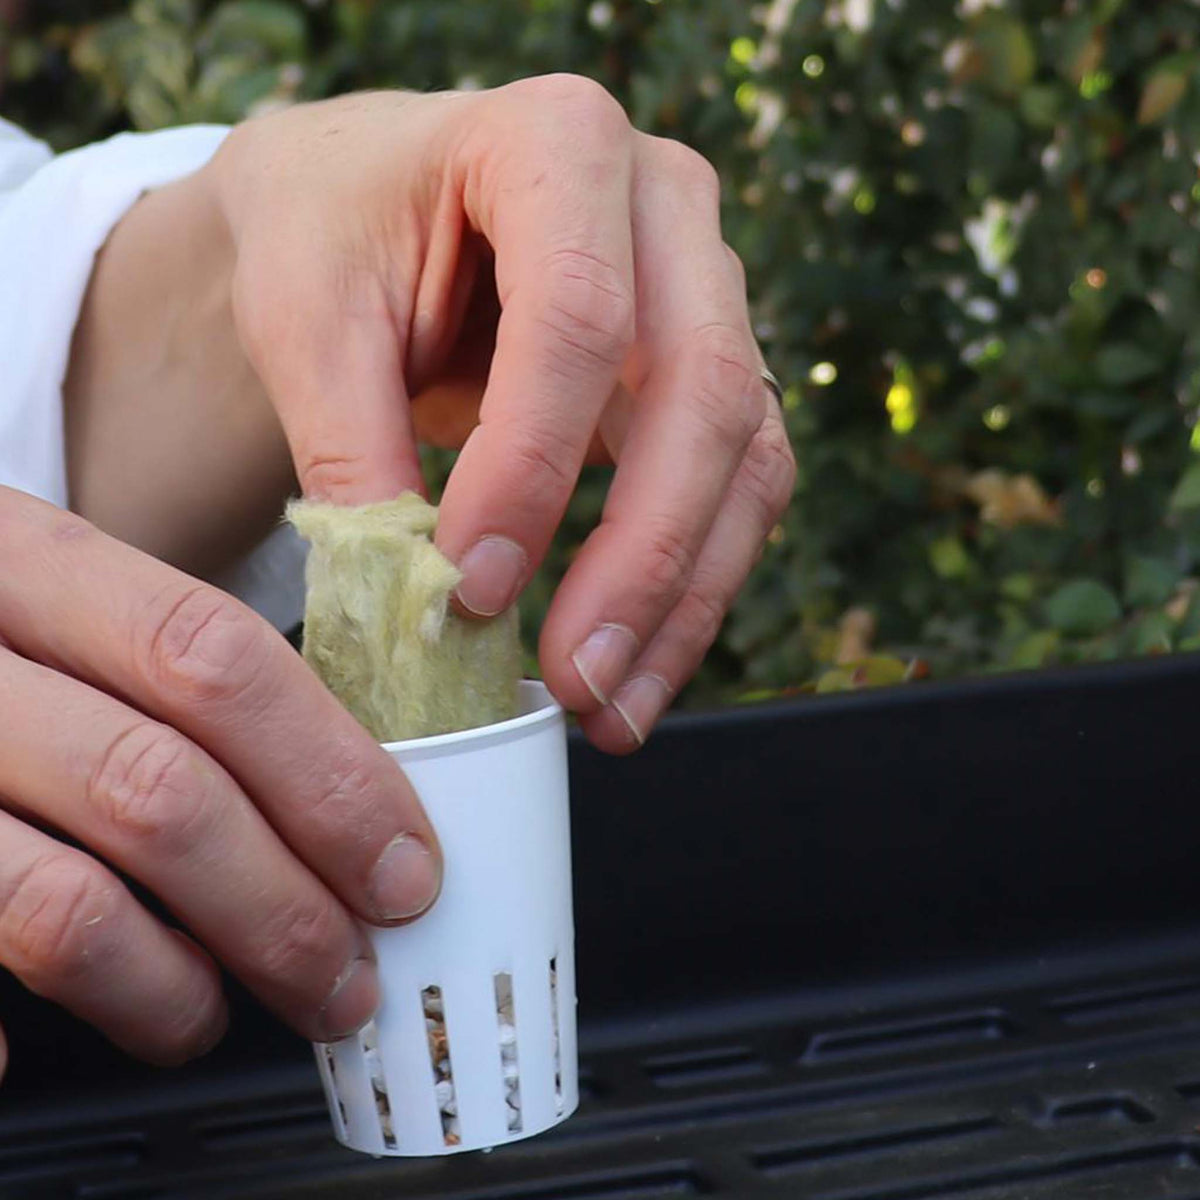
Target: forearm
[{"x": 171, "y": 443}]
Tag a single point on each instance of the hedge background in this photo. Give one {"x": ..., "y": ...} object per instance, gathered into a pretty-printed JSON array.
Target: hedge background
[{"x": 972, "y": 234}]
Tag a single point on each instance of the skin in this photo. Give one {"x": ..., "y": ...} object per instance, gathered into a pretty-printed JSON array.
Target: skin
[{"x": 518, "y": 273}]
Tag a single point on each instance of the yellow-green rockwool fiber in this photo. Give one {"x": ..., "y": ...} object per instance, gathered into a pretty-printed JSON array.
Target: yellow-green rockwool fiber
[{"x": 379, "y": 630}]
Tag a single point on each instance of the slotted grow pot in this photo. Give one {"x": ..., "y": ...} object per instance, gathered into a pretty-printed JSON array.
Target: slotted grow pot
[{"x": 936, "y": 941}]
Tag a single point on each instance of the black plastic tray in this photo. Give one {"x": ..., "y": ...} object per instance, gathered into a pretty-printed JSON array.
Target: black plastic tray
[{"x": 937, "y": 941}]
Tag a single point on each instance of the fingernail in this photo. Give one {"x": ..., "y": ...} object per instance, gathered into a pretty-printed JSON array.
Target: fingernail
[
  {"x": 641, "y": 702},
  {"x": 352, "y": 1002},
  {"x": 492, "y": 572},
  {"x": 605, "y": 658},
  {"x": 406, "y": 879}
]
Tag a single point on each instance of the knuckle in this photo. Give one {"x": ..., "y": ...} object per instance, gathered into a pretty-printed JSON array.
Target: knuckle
[
  {"x": 689, "y": 168},
  {"x": 770, "y": 470},
  {"x": 583, "y": 101},
  {"x": 738, "y": 269},
  {"x": 297, "y": 938},
  {"x": 701, "y": 615},
  {"x": 51, "y": 918},
  {"x": 204, "y": 646},
  {"x": 723, "y": 395},
  {"x": 544, "y": 463},
  {"x": 68, "y": 527},
  {"x": 346, "y": 784},
  {"x": 29, "y": 524},
  {"x": 588, "y": 306},
  {"x": 149, "y": 787},
  {"x": 326, "y": 476},
  {"x": 668, "y": 563}
]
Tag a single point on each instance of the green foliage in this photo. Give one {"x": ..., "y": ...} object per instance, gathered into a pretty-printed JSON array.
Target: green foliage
[
  {"x": 1082, "y": 607},
  {"x": 972, "y": 234}
]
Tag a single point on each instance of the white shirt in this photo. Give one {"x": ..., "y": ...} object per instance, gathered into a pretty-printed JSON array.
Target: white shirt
[{"x": 55, "y": 213}]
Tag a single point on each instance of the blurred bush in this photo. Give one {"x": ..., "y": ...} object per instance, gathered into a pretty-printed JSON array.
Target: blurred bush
[{"x": 972, "y": 234}]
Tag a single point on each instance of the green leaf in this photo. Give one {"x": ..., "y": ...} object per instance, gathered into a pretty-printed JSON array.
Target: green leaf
[
  {"x": 1151, "y": 423},
  {"x": 995, "y": 140},
  {"x": 879, "y": 670},
  {"x": 1189, "y": 624},
  {"x": 1006, "y": 54},
  {"x": 163, "y": 12},
  {"x": 1165, "y": 87},
  {"x": 1082, "y": 608},
  {"x": 836, "y": 680},
  {"x": 1149, "y": 581},
  {"x": 1106, "y": 405},
  {"x": 228, "y": 87},
  {"x": 1036, "y": 650},
  {"x": 1082, "y": 47},
  {"x": 1041, "y": 105},
  {"x": 1186, "y": 495},
  {"x": 1124, "y": 363},
  {"x": 270, "y": 30},
  {"x": 24, "y": 57},
  {"x": 1151, "y": 634},
  {"x": 1019, "y": 587},
  {"x": 949, "y": 558}
]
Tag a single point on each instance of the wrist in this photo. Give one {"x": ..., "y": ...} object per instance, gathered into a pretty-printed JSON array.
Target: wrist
[{"x": 171, "y": 443}]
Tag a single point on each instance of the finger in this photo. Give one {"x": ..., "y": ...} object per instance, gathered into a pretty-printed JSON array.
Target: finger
[
  {"x": 162, "y": 810},
  {"x": 757, "y": 498},
  {"x": 555, "y": 208},
  {"x": 447, "y": 411},
  {"x": 72, "y": 933},
  {"x": 701, "y": 403},
  {"x": 455, "y": 334},
  {"x": 324, "y": 335},
  {"x": 200, "y": 662}
]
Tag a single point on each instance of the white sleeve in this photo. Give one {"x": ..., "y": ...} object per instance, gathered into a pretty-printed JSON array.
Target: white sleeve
[{"x": 55, "y": 213}]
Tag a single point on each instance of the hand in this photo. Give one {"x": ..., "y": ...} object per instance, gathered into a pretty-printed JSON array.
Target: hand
[
  {"x": 168, "y": 729},
  {"x": 365, "y": 228},
  {"x": 378, "y": 249}
]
